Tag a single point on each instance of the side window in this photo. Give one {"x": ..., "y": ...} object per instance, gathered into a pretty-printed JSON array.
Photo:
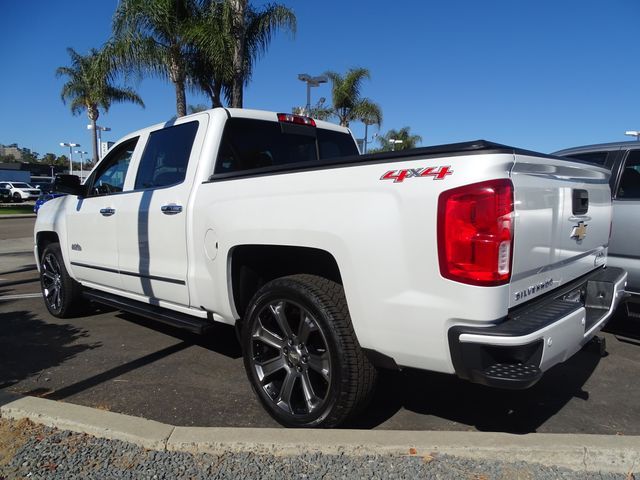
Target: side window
[
  {"x": 597, "y": 158},
  {"x": 166, "y": 156},
  {"x": 629, "y": 187},
  {"x": 110, "y": 175}
]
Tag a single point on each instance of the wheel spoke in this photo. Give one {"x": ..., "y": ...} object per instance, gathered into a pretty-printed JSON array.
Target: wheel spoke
[
  {"x": 320, "y": 364},
  {"x": 56, "y": 298},
  {"x": 310, "y": 397},
  {"x": 49, "y": 261},
  {"x": 284, "y": 399},
  {"x": 281, "y": 318},
  {"x": 269, "y": 367},
  {"x": 48, "y": 275},
  {"x": 267, "y": 337},
  {"x": 307, "y": 326}
]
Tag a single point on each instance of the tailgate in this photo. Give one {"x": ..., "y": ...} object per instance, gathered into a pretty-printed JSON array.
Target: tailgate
[{"x": 562, "y": 223}]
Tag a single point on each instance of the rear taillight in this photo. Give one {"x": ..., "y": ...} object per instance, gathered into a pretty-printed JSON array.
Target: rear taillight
[
  {"x": 475, "y": 233},
  {"x": 297, "y": 119}
]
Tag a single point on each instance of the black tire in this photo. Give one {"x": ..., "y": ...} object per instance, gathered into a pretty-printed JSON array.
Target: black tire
[
  {"x": 329, "y": 376},
  {"x": 17, "y": 197},
  {"x": 62, "y": 295}
]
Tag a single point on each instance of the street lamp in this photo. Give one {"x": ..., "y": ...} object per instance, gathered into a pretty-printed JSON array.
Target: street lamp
[
  {"x": 366, "y": 122},
  {"x": 394, "y": 142},
  {"x": 70, "y": 145},
  {"x": 82, "y": 154},
  {"x": 99, "y": 129},
  {"x": 633, "y": 133},
  {"x": 311, "y": 82}
]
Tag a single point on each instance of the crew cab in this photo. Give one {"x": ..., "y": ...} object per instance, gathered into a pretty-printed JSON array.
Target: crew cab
[
  {"x": 475, "y": 259},
  {"x": 21, "y": 191},
  {"x": 622, "y": 159}
]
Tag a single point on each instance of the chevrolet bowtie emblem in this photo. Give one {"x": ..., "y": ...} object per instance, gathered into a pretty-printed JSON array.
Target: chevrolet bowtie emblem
[{"x": 579, "y": 231}]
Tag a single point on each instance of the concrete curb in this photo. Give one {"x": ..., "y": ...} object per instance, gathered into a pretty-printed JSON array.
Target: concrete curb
[
  {"x": 617, "y": 454},
  {"x": 77, "y": 418}
]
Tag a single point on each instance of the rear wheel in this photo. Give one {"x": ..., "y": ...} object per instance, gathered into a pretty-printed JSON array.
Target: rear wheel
[
  {"x": 17, "y": 197},
  {"x": 301, "y": 353},
  {"x": 62, "y": 294}
]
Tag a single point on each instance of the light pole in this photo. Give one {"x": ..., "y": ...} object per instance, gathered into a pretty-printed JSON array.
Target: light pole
[
  {"x": 99, "y": 130},
  {"x": 366, "y": 133},
  {"x": 311, "y": 82},
  {"x": 82, "y": 154},
  {"x": 70, "y": 145},
  {"x": 633, "y": 133},
  {"x": 394, "y": 142}
]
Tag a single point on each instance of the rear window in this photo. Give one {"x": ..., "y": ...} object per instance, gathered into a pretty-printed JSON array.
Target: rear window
[
  {"x": 596, "y": 158},
  {"x": 249, "y": 144}
]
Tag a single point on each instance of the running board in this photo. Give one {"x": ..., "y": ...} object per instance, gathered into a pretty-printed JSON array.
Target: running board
[{"x": 153, "y": 312}]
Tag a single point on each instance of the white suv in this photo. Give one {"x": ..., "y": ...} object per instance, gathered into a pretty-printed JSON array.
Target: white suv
[{"x": 21, "y": 191}]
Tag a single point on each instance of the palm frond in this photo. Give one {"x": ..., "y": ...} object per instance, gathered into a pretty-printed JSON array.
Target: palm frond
[{"x": 367, "y": 112}]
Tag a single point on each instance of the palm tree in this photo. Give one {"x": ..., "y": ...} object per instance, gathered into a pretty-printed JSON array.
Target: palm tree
[
  {"x": 402, "y": 140},
  {"x": 251, "y": 31},
  {"x": 210, "y": 34},
  {"x": 348, "y": 105},
  {"x": 89, "y": 88},
  {"x": 151, "y": 35}
]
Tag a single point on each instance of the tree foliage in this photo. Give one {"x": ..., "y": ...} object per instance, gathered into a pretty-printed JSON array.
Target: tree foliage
[
  {"x": 347, "y": 102},
  {"x": 89, "y": 87},
  {"x": 398, "y": 140},
  {"x": 207, "y": 45},
  {"x": 150, "y": 36}
]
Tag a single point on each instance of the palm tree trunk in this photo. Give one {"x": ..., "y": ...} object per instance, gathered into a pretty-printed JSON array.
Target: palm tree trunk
[
  {"x": 177, "y": 77},
  {"x": 181, "y": 98},
  {"x": 93, "y": 116},
  {"x": 239, "y": 8},
  {"x": 216, "y": 88}
]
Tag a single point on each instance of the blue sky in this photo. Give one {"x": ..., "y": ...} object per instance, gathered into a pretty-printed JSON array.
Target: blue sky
[{"x": 541, "y": 74}]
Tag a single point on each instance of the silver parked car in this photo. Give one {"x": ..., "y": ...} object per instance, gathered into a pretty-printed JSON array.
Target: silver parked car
[{"x": 623, "y": 159}]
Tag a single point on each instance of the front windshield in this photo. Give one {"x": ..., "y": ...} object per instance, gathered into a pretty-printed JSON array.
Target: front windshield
[{"x": 22, "y": 185}]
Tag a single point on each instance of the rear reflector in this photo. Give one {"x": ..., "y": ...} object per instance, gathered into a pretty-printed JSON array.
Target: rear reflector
[
  {"x": 297, "y": 119},
  {"x": 475, "y": 233}
]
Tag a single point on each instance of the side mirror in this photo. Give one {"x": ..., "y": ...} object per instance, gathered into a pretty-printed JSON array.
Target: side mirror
[{"x": 68, "y": 184}]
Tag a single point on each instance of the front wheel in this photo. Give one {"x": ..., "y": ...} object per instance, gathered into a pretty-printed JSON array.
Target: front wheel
[
  {"x": 62, "y": 294},
  {"x": 301, "y": 354}
]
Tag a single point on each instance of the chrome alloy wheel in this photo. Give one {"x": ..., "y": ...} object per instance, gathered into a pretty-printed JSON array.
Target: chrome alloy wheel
[
  {"x": 290, "y": 357},
  {"x": 51, "y": 281}
]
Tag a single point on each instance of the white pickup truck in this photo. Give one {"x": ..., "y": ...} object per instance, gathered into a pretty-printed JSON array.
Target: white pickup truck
[{"x": 475, "y": 259}]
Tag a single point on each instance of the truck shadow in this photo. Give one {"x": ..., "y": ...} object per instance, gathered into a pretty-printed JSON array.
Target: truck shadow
[
  {"x": 29, "y": 346},
  {"x": 220, "y": 338},
  {"x": 477, "y": 406},
  {"x": 625, "y": 328}
]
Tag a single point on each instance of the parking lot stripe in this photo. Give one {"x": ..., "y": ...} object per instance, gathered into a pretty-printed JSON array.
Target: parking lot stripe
[{"x": 20, "y": 296}]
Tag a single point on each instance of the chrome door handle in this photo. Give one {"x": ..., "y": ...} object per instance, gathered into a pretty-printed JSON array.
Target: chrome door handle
[
  {"x": 171, "y": 209},
  {"x": 107, "y": 212}
]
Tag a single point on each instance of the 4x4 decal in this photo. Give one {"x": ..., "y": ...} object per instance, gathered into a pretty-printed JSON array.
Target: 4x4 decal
[{"x": 438, "y": 173}]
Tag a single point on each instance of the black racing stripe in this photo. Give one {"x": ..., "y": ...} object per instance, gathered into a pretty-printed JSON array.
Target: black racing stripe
[{"x": 131, "y": 274}]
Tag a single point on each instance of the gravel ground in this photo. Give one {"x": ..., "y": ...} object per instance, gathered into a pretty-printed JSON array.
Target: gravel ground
[{"x": 36, "y": 452}]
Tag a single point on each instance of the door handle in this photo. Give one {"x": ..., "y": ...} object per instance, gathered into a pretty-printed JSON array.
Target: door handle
[
  {"x": 107, "y": 212},
  {"x": 171, "y": 209}
]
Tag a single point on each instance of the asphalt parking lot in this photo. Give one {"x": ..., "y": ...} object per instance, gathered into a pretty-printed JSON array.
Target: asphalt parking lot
[{"x": 124, "y": 363}]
